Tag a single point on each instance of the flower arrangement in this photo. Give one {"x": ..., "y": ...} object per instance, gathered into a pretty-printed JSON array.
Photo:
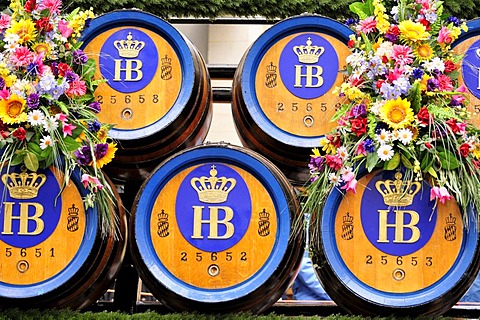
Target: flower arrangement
[
  {"x": 401, "y": 107},
  {"x": 47, "y": 107}
]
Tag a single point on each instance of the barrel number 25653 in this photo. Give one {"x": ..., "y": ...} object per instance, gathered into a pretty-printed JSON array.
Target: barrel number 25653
[{"x": 384, "y": 260}]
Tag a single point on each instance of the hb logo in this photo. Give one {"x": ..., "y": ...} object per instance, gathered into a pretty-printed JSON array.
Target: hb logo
[{"x": 132, "y": 68}]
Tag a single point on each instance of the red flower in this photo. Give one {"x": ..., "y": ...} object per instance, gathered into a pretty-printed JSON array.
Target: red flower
[
  {"x": 428, "y": 145},
  {"x": 359, "y": 126},
  {"x": 30, "y": 5},
  {"x": 424, "y": 116},
  {"x": 334, "y": 162},
  {"x": 449, "y": 66},
  {"x": 454, "y": 126},
  {"x": 351, "y": 43},
  {"x": 62, "y": 68},
  {"x": 43, "y": 25},
  {"x": 20, "y": 133},
  {"x": 464, "y": 149},
  {"x": 426, "y": 23},
  {"x": 334, "y": 139}
]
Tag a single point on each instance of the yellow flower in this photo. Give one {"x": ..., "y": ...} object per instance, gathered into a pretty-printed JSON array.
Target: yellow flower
[
  {"x": 423, "y": 82},
  {"x": 316, "y": 152},
  {"x": 423, "y": 52},
  {"x": 413, "y": 31},
  {"x": 397, "y": 113},
  {"x": 107, "y": 158},
  {"x": 102, "y": 134},
  {"x": 11, "y": 110},
  {"x": 327, "y": 146},
  {"x": 25, "y": 29},
  {"x": 42, "y": 47}
]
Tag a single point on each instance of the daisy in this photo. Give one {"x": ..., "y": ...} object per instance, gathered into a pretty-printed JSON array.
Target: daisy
[
  {"x": 45, "y": 142},
  {"x": 36, "y": 118},
  {"x": 405, "y": 136},
  {"x": 385, "y": 152}
]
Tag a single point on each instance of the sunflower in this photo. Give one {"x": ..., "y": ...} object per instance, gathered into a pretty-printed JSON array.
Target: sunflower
[
  {"x": 42, "y": 47},
  {"x": 413, "y": 31},
  {"x": 11, "y": 110},
  {"x": 397, "y": 113},
  {"x": 109, "y": 155},
  {"x": 423, "y": 52},
  {"x": 25, "y": 29}
]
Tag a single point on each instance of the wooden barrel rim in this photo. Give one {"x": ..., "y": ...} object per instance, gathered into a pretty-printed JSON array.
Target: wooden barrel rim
[
  {"x": 135, "y": 18},
  {"x": 300, "y": 23},
  {"x": 357, "y": 297},
  {"x": 227, "y": 154}
]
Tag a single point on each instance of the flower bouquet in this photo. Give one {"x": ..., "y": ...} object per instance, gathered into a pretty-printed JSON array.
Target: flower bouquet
[
  {"x": 401, "y": 107},
  {"x": 48, "y": 113}
]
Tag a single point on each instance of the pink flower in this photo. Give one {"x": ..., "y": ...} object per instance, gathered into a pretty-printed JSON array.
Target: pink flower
[
  {"x": 440, "y": 193},
  {"x": 394, "y": 74},
  {"x": 348, "y": 176},
  {"x": 444, "y": 36},
  {"x": 445, "y": 82},
  {"x": 4, "y": 94},
  {"x": 87, "y": 179},
  {"x": 334, "y": 162},
  {"x": 402, "y": 54},
  {"x": 22, "y": 56},
  {"x": 64, "y": 29},
  {"x": 350, "y": 186},
  {"x": 367, "y": 25},
  {"x": 61, "y": 117},
  {"x": 52, "y": 5},
  {"x": 361, "y": 149},
  {"x": 76, "y": 88},
  {"x": 67, "y": 129},
  {"x": 4, "y": 21}
]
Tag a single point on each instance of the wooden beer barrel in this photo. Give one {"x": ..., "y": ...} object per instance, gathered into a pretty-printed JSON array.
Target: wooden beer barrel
[
  {"x": 211, "y": 231},
  {"x": 468, "y": 44},
  {"x": 282, "y": 99},
  {"x": 378, "y": 255},
  {"x": 158, "y": 92},
  {"x": 54, "y": 255}
]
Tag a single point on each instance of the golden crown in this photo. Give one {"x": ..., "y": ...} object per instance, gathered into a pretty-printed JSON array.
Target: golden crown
[
  {"x": 23, "y": 185},
  {"x": 271, "y": 68},
  {"x": 129, "y": 48},
  {"x": 308, "y": 53},
  {"x": 213, "y": 189},
  {"x": 398, "y": 193}
]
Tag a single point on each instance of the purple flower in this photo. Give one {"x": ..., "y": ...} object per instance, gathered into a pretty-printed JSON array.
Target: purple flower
[
  {"x": 83, "y": 155},
  {"x": 432, "y": 84},
  {"x": 2, "y": 83},
  {"x": 100, "y": 150},
  {"x": 94, "y": 126},
  {"x": 32, "y": 69},
  {"x": 351, "y": 21},
  {"x": 54, "y": 67},
  {"x": 79, "y": 57},
  {"x": 454, "y": 20},
  {"x": 33, "y": 100},
  {"x": 316, "y": 164},
  {"x": 391, "y": 37},
  {"x": 95, "y": 106},
  {"x": 71, "y": 76},
  {"x": 359, "y": 111}
]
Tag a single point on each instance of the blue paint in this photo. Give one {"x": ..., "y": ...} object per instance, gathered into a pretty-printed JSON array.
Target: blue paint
[
  {"x": 324, "y": 71},
  {"x": 370, "y": 217},
  {"x": 44, "y": 201},
  {"x": 238, "y": 200},
  {"x": 169, "y": 169},
  {"x": 146, "y": 62}
]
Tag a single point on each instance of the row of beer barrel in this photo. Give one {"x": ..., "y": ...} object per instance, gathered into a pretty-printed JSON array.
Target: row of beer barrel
[{"x": 216, "y": 227}]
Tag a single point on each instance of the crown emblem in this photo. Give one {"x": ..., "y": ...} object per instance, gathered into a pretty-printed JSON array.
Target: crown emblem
[
  {"x": 73, "y": 211},
  {"x": 166, "y": 60},
  {"x": 129, "y": 48},
  {"x": 450, "y": 219},
  {"x": 347, "y": 219},
  {"x": 23, "y": 185},
  {"x": 264, "y": 215},
  {"x": 213, "y": 189},
  {"x": 398, "y": 193},
  {"x": 271, "y": 68},
  {"x": 308, "y": 53}
]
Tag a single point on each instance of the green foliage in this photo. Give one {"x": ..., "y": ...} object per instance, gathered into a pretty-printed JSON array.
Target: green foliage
[{"x": 270, "y": 9}]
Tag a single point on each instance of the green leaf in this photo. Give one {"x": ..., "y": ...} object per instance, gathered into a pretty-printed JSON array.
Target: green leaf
[
  {"x": 71, "y": 144},
  {"x": 415, "y": 97},
  {"x": 427, "y": 161},
  {"x": 432, "y": 172},
  {"x": 17, "y": 159},
  {"x": 31, "y": 161},
  {"x": 448, "y": 160},
  {"x": 363, "y": 10},
  {"x": 372, "y": 160},
  {"x": 406, "y": 162},
  {"x": 34, "y": 148},
  {"x": 392, "y": 163}
]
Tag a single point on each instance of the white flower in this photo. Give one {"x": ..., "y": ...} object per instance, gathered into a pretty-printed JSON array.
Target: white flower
[
  {"x": 11, "y": 38},
  {"x": 342, "y": 153},
  {"x": 435, "y": 64},
  {"x": 45, "y": 142},
  {"x": 346, "y": 170},
  {"x": 383, "y": 137},
  {"x": 384, "y": 49},
  {"x": 405, "y": 136},
  {"x": 50, "y": 124},
  {"x": 334, "y": 179},
  {"x": 385, "y": 152},
  {"x": 375, "y": 108},
  {"x": 36, "y": 118}
]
